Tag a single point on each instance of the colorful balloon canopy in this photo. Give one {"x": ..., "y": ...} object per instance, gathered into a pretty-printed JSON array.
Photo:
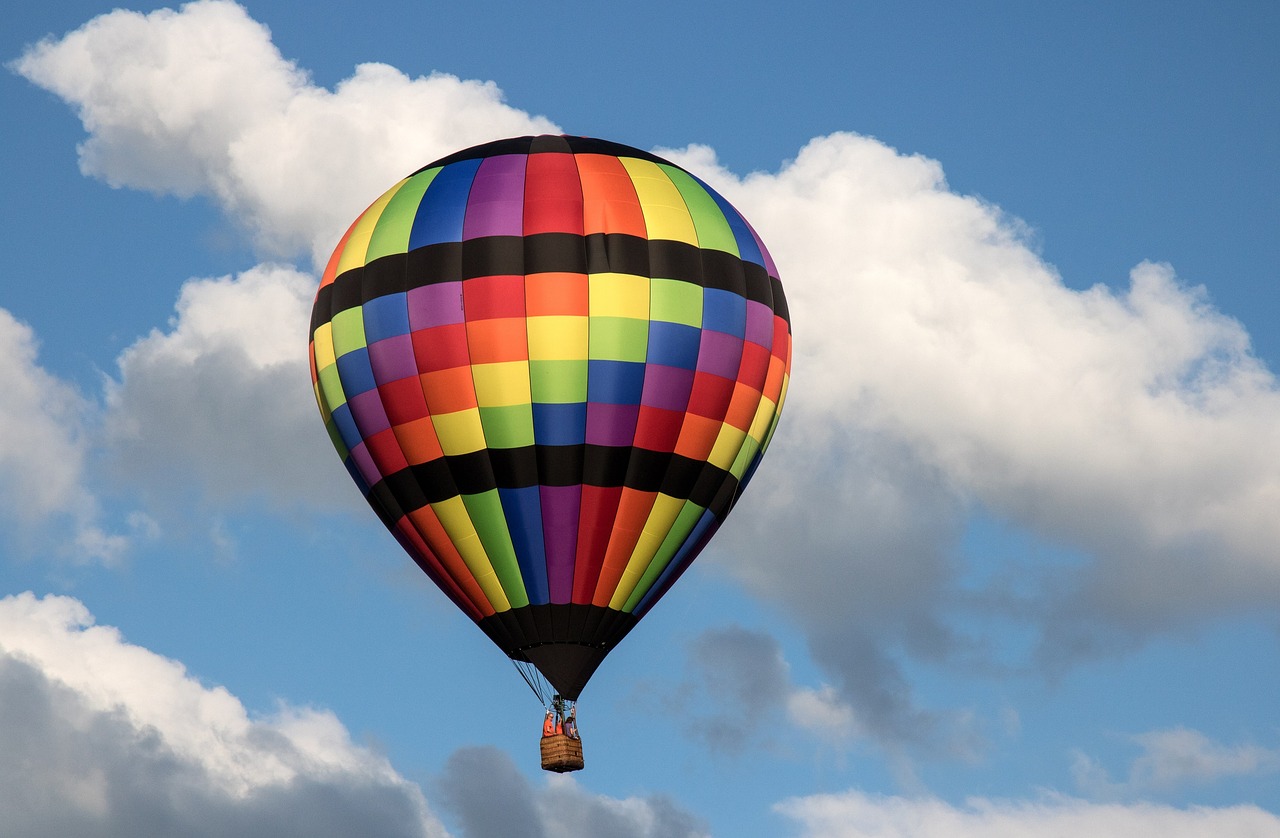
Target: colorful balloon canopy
[{"x": 551, "y": 364}]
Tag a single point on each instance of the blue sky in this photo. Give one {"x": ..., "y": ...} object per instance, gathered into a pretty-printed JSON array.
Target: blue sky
[{"x": 1011, "y": 562}]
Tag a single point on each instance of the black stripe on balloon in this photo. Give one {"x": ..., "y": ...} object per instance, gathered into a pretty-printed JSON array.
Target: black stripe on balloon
[
  {"x": 549, "y": 252},
  {"x": 546, "y": 144},
  {"x": 481, "y": 471}
]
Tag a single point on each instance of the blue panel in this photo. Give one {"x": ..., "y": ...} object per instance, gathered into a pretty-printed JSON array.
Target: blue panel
[
  {"x": 444, "y": 206},
  {"x": 355, "y": 373},
  {"x": 615, "y": 382},
  {"x": 560, "y": 424},
  {"x": 747, "y": 247},
  {"x": 673, "y": 344},
  {"x": 350, "y": 434},
  {"x": 523, "y": 511},
  {"x": 724, "y": 311},
  {"x": 386, "y": 317}
]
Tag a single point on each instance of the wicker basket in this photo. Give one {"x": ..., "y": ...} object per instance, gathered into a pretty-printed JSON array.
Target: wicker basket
[{"x": 561, "y": 753}]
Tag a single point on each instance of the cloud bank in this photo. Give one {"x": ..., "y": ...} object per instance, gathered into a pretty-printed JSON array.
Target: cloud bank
[{"x": 104, "y": 738}]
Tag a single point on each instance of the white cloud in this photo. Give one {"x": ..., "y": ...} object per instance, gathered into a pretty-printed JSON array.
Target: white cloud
[
  {"x": 223, "y": 398},
  {"x": 1172, "y": 759},
  {"x": 854, "y": 814},
  {"x": 1133, "y": 425},
  {"x": 200, "y": 102},
  {"x": 103, "y": 738},
  {"x": 44, "y": 443}
]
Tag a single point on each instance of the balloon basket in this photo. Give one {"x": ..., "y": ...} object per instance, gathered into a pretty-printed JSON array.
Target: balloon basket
[{"x": 561, "y": 753}]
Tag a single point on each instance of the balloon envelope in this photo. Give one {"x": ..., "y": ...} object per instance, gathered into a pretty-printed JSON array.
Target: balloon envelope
[{"x": 551, "y": 364}]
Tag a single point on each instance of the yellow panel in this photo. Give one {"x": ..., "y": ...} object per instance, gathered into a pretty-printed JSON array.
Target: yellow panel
[
  {"x": 460, "y": 432},
  {"x": 619, "y": 295},
  {"x": 502, "y": 384},
  {"x": 661, "y": 517},
  {"x": 353, "y": 255},
  {"x": 725, "y": 451},
  {"x": 557, "y": 338},
  {"x": 763, "y": 419},
  {"x": 323, "y": 340},
  {"x": 456, "y": 521},
  {"x": 665, "y": 213}
]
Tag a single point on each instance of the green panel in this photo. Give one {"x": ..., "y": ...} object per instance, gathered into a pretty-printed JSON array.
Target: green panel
[
  {"x": 714, "y": 232},
  {"x": 558, "y": 382},
  {"x": 491, "y": 525},
  {"x": 391, "y": 235},
  {"x": 680, "y": 530},
  {"x": 510, "y": 426},
  {"x": 348, "y": 331},
  {"x": 617, "y": 339},
  {"x": 336, "y": 438},
  {"x": 745, "y": 454},
  {"x": 676, "y": 301},
  {"x": 331, "y": 387}
]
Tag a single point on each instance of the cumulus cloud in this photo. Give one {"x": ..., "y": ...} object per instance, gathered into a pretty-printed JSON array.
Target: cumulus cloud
[
  {"x": 562, "y": 808},
  {"x": 1173, "y": 759},
  {"x": 854, "y": 814},
  {"x": 200, "y": 102},
  {"x": 103, "y": 738},
  {"x": 223, "y": 398},
  {"x": 44, "y": 445},
  {"x": 941, "y": 364}
]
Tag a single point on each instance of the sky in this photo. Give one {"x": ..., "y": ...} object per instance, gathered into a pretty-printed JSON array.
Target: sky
[{"x": 1010, "y": 566}]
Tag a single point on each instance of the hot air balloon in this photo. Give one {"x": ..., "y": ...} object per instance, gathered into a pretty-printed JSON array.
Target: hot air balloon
[{"x": 551, "y": 364}]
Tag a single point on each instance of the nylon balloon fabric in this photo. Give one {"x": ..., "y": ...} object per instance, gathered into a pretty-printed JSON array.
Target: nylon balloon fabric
[{"x": 551, "y": 364}]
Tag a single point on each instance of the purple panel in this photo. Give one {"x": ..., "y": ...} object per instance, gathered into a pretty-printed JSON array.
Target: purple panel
[
  {"x": 759, "y": 323},
  {"x": 611, "y": 424},
  {"x": 667, "y": 387},
  {"x": 720, "y": 354},
  {"x": 392, "y": 359},
  {"x": 364, "y": 464},
  {"x": 560, "y": 508},
  {"x": 496, "y": 204},
  {"x": 435, "y": 305},
  {"x": 369, "y": 414}
]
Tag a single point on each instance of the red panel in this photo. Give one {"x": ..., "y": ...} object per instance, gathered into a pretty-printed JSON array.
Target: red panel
[
  {"x": 384, "y": 448},
  {"x": 403, "y": 400},
  {"x": 493, "y": 296},
  {"x": 609, "y": 202},
  {"x": 633, "y": 511},
  {"x": 711, "y": 394},
  {"x": 441, "y": 347},
  {"x": 595, "y": 526},
  {"x": 755, "y": 364},
  {"x": 657, "y": 429},
  {"x": 552, "y": 195}
]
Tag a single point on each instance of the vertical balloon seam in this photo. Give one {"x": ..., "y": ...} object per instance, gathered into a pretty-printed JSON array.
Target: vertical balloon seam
[
  {"x": 427, "y": 519},
  {"x": 634, "y": 502},
  {"x": 661, "y": 513},
  {"x": 389, "y": 237},
  {"x": 445, "y": 511},
  {"x": 492, "y": 529}
]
